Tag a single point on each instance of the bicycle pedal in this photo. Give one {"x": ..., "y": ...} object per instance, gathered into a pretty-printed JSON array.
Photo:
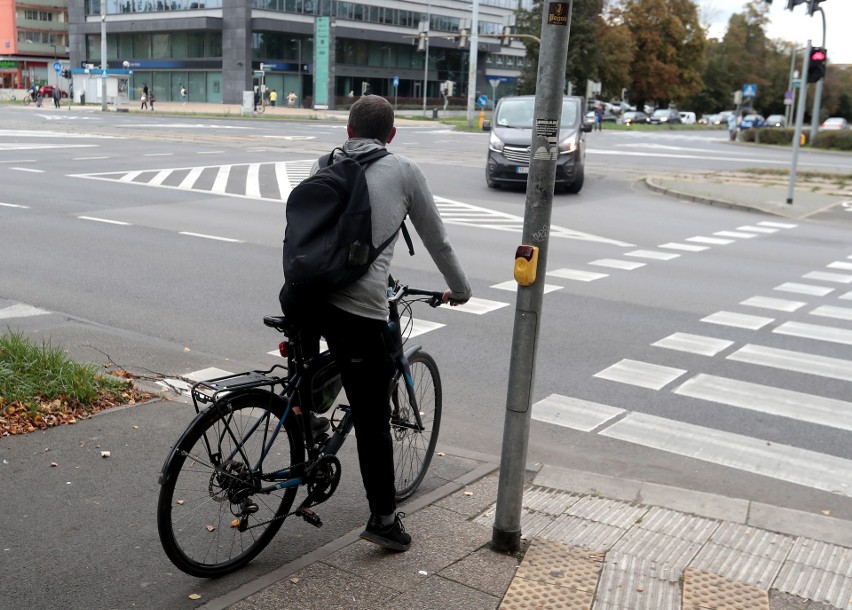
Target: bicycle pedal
[
  {"x": 310, "y": 516},
  {"x": 250, "y": 508}
]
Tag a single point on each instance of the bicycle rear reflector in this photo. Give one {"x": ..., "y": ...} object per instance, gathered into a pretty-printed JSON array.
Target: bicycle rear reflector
[{"x": 283, "y": 349}]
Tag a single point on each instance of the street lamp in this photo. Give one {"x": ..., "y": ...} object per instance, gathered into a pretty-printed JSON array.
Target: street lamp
[{"x": 298, "y": 41}]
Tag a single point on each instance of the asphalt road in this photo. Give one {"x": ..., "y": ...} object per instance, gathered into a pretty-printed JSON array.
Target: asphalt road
[{"x": 681, "y": 344}]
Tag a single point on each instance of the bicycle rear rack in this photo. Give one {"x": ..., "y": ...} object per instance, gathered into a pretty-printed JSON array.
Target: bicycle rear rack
[{"x": 211, "y": 390}]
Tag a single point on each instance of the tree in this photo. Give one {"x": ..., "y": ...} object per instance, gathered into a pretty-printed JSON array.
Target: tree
[
  {"x": 617, "y": 51},
  {"x": 669, "y": 48}
]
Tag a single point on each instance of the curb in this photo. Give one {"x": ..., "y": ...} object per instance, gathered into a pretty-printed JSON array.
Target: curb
[{"x": 649, "y": 182}]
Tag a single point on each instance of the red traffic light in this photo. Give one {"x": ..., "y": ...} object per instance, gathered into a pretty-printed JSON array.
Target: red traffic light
[{"x": 818, "y": 55}]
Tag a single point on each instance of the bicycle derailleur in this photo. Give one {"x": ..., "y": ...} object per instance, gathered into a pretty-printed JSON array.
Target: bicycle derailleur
[{"x": 321, "y": 481}]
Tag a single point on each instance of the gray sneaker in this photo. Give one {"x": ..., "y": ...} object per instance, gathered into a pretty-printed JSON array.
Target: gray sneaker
[{"x": 391, "y": 536}]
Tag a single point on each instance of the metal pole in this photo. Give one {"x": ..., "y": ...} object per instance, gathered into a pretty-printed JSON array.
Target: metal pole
[
  {"x": 473, "y": 57},
  {"x": 506, "y": 533},
  {"x": 426, "y": 55},
  {"x": 788, "y": 111},
  {"x": 299, "y": 103},
  {"x": 103, "y": 57},
  {"x": 800, "y": 118}
]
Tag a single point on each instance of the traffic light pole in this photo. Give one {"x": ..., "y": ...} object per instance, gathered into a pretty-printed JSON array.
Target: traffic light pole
[
  {"x": 800, "y": 118},
  {"x": 818, "y": 91}
]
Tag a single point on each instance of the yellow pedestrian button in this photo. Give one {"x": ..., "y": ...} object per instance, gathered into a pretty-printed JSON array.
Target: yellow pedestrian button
[{"x": 526, "y": 263}]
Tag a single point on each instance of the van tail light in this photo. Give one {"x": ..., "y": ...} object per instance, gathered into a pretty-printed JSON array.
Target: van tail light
[{"x": 284, "y": 349}]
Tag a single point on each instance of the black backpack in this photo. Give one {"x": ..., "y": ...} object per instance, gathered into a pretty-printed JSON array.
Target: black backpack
[{"x": 328, "y": 242}]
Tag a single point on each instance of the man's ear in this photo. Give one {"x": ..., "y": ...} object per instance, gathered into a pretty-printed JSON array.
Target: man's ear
[
  {"x": 391, "y": 135},
  {"x": 348, "y": 130}
]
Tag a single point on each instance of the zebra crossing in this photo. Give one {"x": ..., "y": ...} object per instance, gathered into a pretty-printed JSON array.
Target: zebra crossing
[{"x": 824, "y": 301}]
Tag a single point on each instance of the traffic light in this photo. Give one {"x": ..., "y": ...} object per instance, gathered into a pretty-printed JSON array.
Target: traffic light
[
  {"x": 464, "y": 34},
  {"x": 507, "y": 35},
  {"x": 813, "y": 5},
  {"x": 816, "y": 64}
]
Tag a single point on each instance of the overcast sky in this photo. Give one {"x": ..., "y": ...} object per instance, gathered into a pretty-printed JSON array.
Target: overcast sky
[{"x": 795, "y": 26}]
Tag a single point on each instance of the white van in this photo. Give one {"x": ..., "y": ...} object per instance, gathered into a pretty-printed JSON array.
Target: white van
[{"x": 687, "y": 118}]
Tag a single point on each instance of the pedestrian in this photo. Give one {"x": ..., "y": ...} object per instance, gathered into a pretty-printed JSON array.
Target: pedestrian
[
  {"x": 144, "y": 99},
  {"x": 145, "y": 89},
  {"x": 151, "y": 99},
  {"x": 273, "y": 97},
  {"x": 256, "y": 98},
  {"x": 599, "y": 114},
  {"x": 71, "y": 92},
  {"x": 353, "y": 320},
  {"x": 184, "y": 95},
  {"x": 732, "y": 126},
  {"x": 57, "y": 95},
  {"x": 291, "y": 99}
]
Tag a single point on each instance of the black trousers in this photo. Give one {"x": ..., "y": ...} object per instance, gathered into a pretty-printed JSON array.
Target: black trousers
[{"x": 359, "y": 346}]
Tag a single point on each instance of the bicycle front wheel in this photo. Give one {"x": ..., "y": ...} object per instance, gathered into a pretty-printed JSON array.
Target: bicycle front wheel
[
  {"x": 413, "y": 448},
  {"x": 212, "y": 516}
]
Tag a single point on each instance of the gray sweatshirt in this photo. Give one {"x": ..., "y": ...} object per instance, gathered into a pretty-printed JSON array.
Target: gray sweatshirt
[{"x": 397, "y": 187}]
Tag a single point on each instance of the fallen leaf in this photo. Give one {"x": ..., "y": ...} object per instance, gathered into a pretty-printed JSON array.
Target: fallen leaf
[
  {"x": 468, "y": 493},
  {"x": 440, "y": 454},
  {"x": 186, "y": 349},
  {"x": 194, "y": 596},
  {"x": 640, "y": 590},
  {"x": 295, "y": 580},
  {"x": 54, "y": 464},
  {"x": 235, "y": 523},
  {"x": 135, "y": 427},
  {"x": 825, "y": 512},
  {"x": 211, "y": 528},
  {"x": 179, "y": 502},
  {"x": 105, "y": 454},
  {"x": 72, "y": 421},
  {"x": 423, "y": 573}
]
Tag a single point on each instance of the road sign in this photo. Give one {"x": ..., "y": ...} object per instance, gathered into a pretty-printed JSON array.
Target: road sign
[
  {"x": 57, "y": 67},
  {"x": 494, "y": 82},
  {"x": 749, "y": 90},
  {"x": 482, "y": 101},
  {"x": 797, "y": 83},
  {"x": 395, "y": 82},
  {"x": 104, "y": 74},
  {"x": 788, "y": 98}
]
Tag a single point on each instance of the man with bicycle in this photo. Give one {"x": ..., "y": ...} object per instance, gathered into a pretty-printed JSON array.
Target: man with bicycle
[{"x": 353, "y": 320}]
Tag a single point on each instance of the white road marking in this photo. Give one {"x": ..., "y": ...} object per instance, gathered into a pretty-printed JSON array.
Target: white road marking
[
  {"x": 221, "y": 181},
  {"x": 684, "y": 247},
  {"x": 782, "y": 462},
  {"x": 787, "y": 360},
  {"x": 573, "y": 413},
  {"x": 737, "y": 320},
  {"x": 847, "y": 296},
  {"x": 215, "y": 237},
  {"x": 158, "y": 155},
  {"x": 104, "y": 220},
  {"x": 130, "y": 176},
  {"x": 652, "y": 254},
  {"x": 840, "y": 265},
  {"x": 20, "y": 310},
  {"x": 715, "y": 241},
  {"x": 818, "y": 410},
  {"x": 89, "y": 158},
  {"x": 209, "y": 152},
  {"x": 577, "y": 275},
  {"x": 253, "y": 181},
  {"x": 190, "y": 178},
  {"x": 28, "y": 169},
  {"x": 477, "y": 306},
  {"x": 761, "y": 229},
  {"x": 735, "y": 234},
  {"x": 160, "y": 177},
  {"x": 816, "y": 332},
  {"x": 512, "y": 286},
  {"x": 284, "y": 186},
  {"x": 828, "y": 311},
  {"x": 772, "y": 303},
  {"x": 14, "y": 205},
  {"x": 642, "y": 374},
  {"x": 840, "y": 278},
  {"x": 777, "y": 225},
  {"x": 694, "y": 344},
  {"x": 617, "y": 264},
  {"x": 808, "y": 289}
]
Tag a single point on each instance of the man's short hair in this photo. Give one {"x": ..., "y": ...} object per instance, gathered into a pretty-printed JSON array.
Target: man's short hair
[{"x": 371, "y": 117}]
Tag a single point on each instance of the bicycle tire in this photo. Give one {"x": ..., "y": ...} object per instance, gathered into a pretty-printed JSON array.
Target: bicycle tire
[
  {"x": 196, "y": 510},
  {"x": 413, "y": 449}
]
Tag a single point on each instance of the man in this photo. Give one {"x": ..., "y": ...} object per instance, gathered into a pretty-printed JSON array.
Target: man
[
  {"x": 354, "y": 320},
  {"x": 57, "y": 94},
  {"x": 273, "y": 97}
]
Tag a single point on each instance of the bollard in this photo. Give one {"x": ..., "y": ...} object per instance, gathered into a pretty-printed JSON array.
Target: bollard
[{"x": 481, "y": 118}]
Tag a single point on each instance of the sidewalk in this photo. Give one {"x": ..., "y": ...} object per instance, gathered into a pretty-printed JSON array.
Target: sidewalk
[{"x": 590, "y": 542}]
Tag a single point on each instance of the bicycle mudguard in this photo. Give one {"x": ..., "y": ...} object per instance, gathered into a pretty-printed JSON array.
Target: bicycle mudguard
[
  {"x": 412, "y": 350},
  {"x": 276, "y": 404}
]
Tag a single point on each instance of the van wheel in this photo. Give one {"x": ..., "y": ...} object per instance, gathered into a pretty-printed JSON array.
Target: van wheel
[
  {"x": 490, "y": 182},
  {"x": 576, "y": 186}
]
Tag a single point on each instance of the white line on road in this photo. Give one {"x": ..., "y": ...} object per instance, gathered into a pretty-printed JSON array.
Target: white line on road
[
  {"x": 642, "y": 374},
  {"x": 28, "y": 169},
  {"x": 158, "y": 155},
  {"x": 694, "y": 344},
  {"x": 808, "y": 289},
  {"x": 577, "y": 274},
  {"x": 221, "y": 182},
  {"x": 753, "y": 229},
  {"x": 14, "y": 205},
  {"x": 160, "y": 177},
  {"x": 735, "y": 234},
  {"x": 209, "y": 152},
  {"x": 89, "y": 158},
  {"x": 840, "y": 278},
  {"x": 783, "y": 462},
  {"x": 573, "y": 413},
  {"x": 21, "y": 310},
  {"x": 189, "y": 180},
  {"x": 777, "y": 225},
  {"x": 284, "y": 186},
  {"x": 617, "y": 264},
  {"x": 715, "y": 241},
  {"x": 512, "y": 286},
  {"x": 660, "y": 256},
  {"x": 684, "y": 247},
  {"x": 217, "y": 238},
  {"x": 105, "y": 220},
  {"x": 768, "y": 399},
  {"x": 828, "y": 311},
  {"x": 840, "y": 265},
  {"x": 478, "y": 306},
  {"x": 253, "y": 180},
  {"x": 771, "y": 303},
  {"x": 737, "y": 320},
  {"x": 787, "y": 360},
  {"x": 815, "y": 331}
]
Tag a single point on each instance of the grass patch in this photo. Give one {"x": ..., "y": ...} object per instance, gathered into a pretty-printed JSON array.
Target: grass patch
[{"x": 41, "y": 387}]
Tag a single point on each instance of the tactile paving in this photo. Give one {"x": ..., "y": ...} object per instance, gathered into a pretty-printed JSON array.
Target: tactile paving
[
  {"x": 706, "y": 591},
  {"x": 554, "y": 575}
]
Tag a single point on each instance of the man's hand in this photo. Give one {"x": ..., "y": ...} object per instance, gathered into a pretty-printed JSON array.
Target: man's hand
[{"x": 448, "y": 294}]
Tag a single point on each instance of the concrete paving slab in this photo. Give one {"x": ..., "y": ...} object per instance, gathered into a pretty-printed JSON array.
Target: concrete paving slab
[
  {"x": 800, "y": 523},
  {"x": 485, "y": 570},
  {"x": 695, "y": 502},
  {"x": 435, "y": 590}
]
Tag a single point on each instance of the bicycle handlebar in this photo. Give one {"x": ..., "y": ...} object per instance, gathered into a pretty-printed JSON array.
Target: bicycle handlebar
[{"x": 399, "y": 291}]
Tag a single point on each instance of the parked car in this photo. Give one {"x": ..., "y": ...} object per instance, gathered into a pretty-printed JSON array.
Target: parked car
[
  {"x": 511, "y": 140},
  {"x": 775, "y": 120},
  {"x": 835, "y": 122},
  {"x": 608, "y": 117},
  {"x": 634, "y": 117},
  {"x": 752, "y": 120},
  {"x": 687, "y": 118},
  {"x": 665, "y": 116},
  {"x": 47, "y": 91}
]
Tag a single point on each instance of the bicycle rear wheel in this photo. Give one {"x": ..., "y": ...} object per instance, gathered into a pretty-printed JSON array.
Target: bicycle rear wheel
[
  {"x": 413, "y": 448},
  {"x": 211, "y": 480}
]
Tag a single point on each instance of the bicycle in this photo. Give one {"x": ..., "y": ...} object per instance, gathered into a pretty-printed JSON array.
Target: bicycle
[{"x": 231, "y": 479}]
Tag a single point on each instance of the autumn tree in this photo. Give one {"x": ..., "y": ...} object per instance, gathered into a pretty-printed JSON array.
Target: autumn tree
[
  {"x": 617, "y": 51},
  {"x": 669, "y": 48}
]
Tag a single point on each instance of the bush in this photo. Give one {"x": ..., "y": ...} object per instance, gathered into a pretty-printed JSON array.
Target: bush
[
  {"x": 771, "y": 135},
  {"x": 838, "y": 140}
]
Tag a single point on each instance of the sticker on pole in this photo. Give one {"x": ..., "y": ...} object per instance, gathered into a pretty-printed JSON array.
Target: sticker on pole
[{"x": 557, "y": 13}]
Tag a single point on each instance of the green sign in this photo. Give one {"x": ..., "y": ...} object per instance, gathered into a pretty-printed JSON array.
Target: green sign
[
  {"x": 8, "y": 63},
  {"x": 322, "y": 61}
]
